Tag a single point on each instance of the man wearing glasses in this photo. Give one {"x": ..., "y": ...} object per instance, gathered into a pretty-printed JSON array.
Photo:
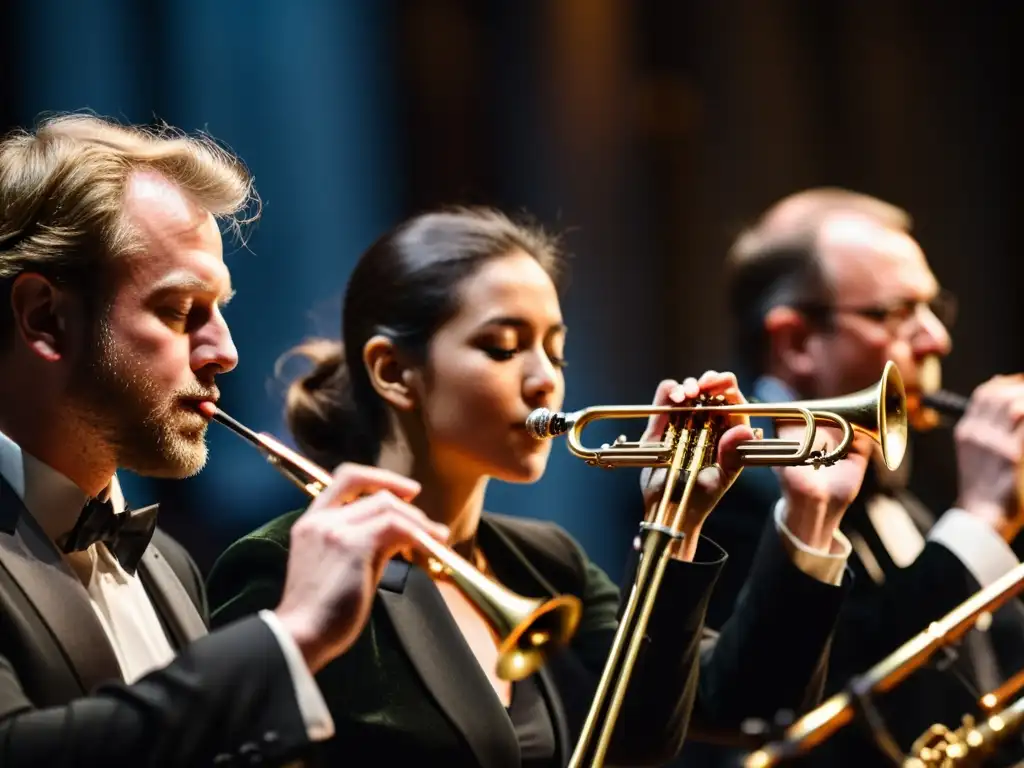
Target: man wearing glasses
[{"x": 825, "y": 288}]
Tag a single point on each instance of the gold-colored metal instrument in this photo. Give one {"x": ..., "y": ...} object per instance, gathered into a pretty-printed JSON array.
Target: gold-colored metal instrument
[
  {"x": 817, "y": 725},
  {"x": 970, "y": 745},
  {"x": 878, "y": 411},
  {"x": 529, "y": 629},
  {"x": 689, "y": 445},
  {"x": 974, "y": 741}
]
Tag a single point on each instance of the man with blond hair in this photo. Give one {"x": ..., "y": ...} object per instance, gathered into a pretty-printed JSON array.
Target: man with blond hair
[
  {"x": 824, "y": 288},
  {"x": 112, "y": 282}
]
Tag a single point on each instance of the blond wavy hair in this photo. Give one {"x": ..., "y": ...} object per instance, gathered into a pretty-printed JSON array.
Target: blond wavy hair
[{"x": 62, "y": 190}]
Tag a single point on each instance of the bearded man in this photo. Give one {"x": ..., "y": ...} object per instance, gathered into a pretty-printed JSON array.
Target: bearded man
[{"x": 112, "y": 282}]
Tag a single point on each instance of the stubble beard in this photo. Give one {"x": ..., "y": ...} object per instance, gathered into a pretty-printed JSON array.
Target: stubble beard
[{"x": 148, "y": 432}]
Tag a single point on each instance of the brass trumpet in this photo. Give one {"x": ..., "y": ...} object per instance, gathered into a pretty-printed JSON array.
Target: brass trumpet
[
  {"x": 530, "y": 629},
  {"x": 879, "y": 412},
  {"x": 688, "y": 446},
  {"x": 817, "y": 725}
]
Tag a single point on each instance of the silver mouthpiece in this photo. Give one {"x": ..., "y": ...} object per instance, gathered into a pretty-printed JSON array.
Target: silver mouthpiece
[{"x": 543, "y": 424}]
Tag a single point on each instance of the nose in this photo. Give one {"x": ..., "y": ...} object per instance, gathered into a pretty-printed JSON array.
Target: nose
[
  {"x": 541, "y": 381},
  {"x": 931, "y": 337},
  {"x": 213, "y": 349}
]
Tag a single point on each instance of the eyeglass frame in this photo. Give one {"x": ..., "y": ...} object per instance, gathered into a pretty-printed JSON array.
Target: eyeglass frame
[{"x": 893, "y": 315}]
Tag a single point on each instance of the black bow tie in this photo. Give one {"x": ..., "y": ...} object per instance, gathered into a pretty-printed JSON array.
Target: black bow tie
[{"x": 126, "y": 535}]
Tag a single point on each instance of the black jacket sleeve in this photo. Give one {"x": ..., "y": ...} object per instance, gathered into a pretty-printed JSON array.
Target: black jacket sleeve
[
  {"x": 228, "y": 699},
  {"x": 663, "y": 688},
  {"x": 771, "y": 656}
]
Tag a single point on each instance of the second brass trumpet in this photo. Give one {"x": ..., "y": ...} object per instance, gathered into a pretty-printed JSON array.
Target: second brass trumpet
[{"x": 879, "y": 411}]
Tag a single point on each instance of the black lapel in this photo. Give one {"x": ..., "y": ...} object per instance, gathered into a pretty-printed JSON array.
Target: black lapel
[
  {"x": 59, "y": 598},
  {"x": 446, "y": 665},
  {"x": 170, "y": 598},
  {"x": 559, "y": 719},
  {"x": 516, "y": 571}
]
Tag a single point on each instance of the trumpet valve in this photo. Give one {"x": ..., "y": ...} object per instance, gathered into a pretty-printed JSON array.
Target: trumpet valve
[{"x": 618, "y": 442}]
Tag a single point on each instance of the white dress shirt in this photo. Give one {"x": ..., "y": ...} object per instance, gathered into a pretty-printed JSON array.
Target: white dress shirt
[
  {"x": 121, "y": 603},
  {"x": 823, "y": 566}
]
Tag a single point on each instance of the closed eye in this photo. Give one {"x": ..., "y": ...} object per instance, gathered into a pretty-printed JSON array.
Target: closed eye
[
  {"x": 500, "y": 353},
  {"x": 176, "y": 315}
]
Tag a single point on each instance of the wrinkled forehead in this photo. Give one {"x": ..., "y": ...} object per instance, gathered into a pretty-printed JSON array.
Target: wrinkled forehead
[{"x": 865, "y": 261}]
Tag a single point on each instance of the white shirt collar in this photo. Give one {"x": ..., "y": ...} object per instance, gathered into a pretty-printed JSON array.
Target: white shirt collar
[{"x": 51, "y": 498}]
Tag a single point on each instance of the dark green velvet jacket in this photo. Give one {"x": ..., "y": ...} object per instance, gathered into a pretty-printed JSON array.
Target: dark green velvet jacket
[{"x": 410, "y": 689}]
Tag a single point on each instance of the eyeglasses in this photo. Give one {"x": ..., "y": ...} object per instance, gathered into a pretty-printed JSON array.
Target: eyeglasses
[{"x": 894, "y": 315}]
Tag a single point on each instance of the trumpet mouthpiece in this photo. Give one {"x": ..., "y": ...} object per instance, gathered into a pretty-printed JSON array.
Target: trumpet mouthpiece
[{"x": 543, "y": 424}]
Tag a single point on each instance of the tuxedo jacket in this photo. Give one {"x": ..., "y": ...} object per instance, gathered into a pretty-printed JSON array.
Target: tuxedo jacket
[
  {"x": 410, "y": 689},
  {"x": 888, "y": 605},
  {"x": 227, "y": 699}
]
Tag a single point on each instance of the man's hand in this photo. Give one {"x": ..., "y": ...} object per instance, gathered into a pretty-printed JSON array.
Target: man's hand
[
  {"x": 989, "y": 452},
  {"x": 339, "y": 549}
]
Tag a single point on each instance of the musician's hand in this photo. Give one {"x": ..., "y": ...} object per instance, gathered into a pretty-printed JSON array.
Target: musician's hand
[
  {"x": 713, "y": 481},
  {"x": 339, "y": 549},
  {"x": 989, "y": 451},
  {"x": 816, "y": 499}
]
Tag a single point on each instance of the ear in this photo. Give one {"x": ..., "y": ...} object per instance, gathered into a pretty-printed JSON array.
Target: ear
[
  {"x": 788, "y": 332},
  {"x": 39, "y": 312},
  {"x": 390, "y": 377}
]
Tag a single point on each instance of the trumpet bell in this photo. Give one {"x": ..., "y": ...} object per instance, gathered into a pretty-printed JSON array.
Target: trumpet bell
[
  {"x": 892, "y": 416},
  {"x": 529, "y": 629},
  {"x": 532, "y": 637},
  {"x": 879, "y": 411}
]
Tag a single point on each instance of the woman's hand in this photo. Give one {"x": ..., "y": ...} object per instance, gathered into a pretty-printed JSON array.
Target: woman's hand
[{"x": 712, "y": 481}]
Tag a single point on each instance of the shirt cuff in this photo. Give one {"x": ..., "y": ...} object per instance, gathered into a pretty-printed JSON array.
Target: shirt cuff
[
  {"x": 315, "y": 715},
  {"x": 826, "y": 567},
  {"x": 982, "y": 551}
]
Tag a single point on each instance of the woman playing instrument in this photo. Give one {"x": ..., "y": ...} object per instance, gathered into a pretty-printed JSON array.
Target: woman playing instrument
[{"x": 453, "y": 333}]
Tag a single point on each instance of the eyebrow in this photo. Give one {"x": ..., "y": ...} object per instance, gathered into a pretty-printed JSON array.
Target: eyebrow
[
  {"x": 190, "y": 284},
  {"x": 520, "y": 322}
]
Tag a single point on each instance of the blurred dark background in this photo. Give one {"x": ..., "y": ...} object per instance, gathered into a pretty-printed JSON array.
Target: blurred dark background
[{"x": 648, "y": 131}]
